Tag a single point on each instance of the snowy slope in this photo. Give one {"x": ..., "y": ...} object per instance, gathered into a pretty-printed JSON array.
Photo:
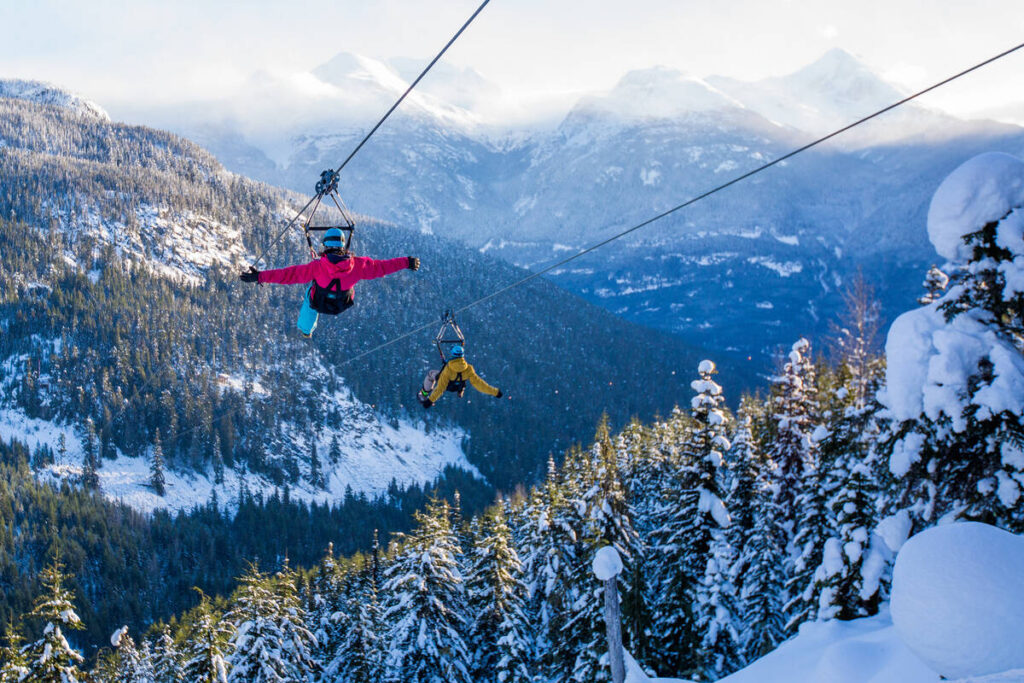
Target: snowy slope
[
  {"x": 44, "y": 93},
  {"x": 861, "y": 651},
  {"x": 373, "y": 453},
  {"x": 180, "y": 245}
]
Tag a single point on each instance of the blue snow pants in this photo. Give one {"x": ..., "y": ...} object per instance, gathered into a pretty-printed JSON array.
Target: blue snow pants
[{"x": 307, "y": 316}]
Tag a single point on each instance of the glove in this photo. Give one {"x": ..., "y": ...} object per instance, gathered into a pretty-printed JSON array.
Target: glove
[
  {"x": 499, "y": 394},
  {"x": 251, "y": 275},
  {"x": 427, "y": 403},
  {"x": 414, "y": 263}
]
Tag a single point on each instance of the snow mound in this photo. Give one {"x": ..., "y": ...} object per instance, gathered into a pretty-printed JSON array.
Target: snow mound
[
  {"x": 607, "y": 563},
  {"x": 860, "y": 651},
  {"x": 981, "y": 190},
  {"x": 958, "y": 599},
  {"x": 44, "y": 93}
]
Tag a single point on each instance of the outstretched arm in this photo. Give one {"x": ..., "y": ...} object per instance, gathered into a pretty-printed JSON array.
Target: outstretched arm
[
  {"x": 479, "y": 384},
  {"x": 370, "y": 269},
  {"x": 292, "y": 275}
]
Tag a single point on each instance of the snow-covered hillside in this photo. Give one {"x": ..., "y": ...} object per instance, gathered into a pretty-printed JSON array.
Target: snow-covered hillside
[
  {"x": 372, "y": 452},
  {"x": 45, "y": 93},
  {"x": 364, "y": 452}
]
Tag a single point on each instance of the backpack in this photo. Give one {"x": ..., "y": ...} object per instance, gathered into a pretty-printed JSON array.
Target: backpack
[
  {"x": 332, "y": 299},
  {"x": 457, "y": 385}
]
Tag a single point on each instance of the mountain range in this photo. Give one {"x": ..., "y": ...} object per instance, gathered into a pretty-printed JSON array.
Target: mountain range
[{"x": 775, "y": 252}]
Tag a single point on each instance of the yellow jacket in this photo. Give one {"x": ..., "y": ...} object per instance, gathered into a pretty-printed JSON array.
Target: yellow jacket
[{"x": 459, "y": 369}]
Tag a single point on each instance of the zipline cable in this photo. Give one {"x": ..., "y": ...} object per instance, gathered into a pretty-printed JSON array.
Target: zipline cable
[
  {"x": 694, "y": 200},
  {"x": 380, "y": 123},
  {"x": 661, "y": 215}
]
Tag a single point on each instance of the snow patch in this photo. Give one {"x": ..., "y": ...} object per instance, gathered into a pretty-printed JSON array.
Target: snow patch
[{"x": 784, "y": 269}]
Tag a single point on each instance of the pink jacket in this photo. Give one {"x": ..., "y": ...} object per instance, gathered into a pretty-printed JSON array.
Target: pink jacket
[{"x": 323, "y": 270}]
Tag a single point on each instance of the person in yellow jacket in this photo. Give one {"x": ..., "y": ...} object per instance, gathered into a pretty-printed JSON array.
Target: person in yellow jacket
[{"x": 453, "y": 377}]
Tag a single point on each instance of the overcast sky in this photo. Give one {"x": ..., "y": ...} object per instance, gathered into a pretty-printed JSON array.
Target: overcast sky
[{"x": 141, "y": 52}]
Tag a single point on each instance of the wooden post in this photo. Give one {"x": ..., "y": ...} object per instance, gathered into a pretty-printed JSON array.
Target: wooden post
[{"x": 613, "y": 622}]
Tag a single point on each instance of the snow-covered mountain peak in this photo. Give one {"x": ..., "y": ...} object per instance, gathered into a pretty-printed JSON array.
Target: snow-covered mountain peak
[
  {"x": 657, "y": 92},
  {"x": 346, "y": 70},
  {"x": 45, "y": 93},
  {"x": 372, "y": 85},
  {"x": 462, "y": 87},
  {"x": 837, "y": 78},
  {"x": 831, "y": 92}
]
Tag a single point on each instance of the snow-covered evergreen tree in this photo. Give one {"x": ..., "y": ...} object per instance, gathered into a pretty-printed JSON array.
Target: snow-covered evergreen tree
[
  {"x": 90, "y": 458},
  {"x": 761, "y": 575},
  {"x": 718, "y": 616},
  {"x": 425, "y": 606},
  {"x": 218, "y": 460},
  {"x": 359, "y": 655},
  {"x": 848, "y": 581},
  {"x": 500, "y": 635},
  {"x": 643, "y": 473},
  {"x": 693, "y": 511},
  {"x": 605, "y": 521},
  {"x": 814, "y": 527},
  {"x": 792, "y": 448},
  {"x": 157, "y": 481},
  {"x": 675, "y": 576},
  {"x": 324, "y": 601},
  {"x": 126, "y": 663},
  {"x": 548, "y": 542},
  {"x": 316, "y": 470},
  {"x": 167, "y": 664},
  {"x": 956, "y": 366},
  {"x": 745, "y": 463},
  {"x": 12, "y": 660},
  {"x": 792, "y": 418},
  {"x": 206, "y": 646},
  {"x": 852, "y": 566},
  {"x": 271, "y": 643},
  {"x": 51, "y": 658},
  {"x": 334, "y": 450}
]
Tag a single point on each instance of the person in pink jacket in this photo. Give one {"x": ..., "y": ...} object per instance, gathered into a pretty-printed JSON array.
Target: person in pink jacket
[{"x": 331, "y": 278}]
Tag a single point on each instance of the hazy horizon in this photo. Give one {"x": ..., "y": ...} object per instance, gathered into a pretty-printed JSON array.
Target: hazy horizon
[{"x": 134, "y": 55}]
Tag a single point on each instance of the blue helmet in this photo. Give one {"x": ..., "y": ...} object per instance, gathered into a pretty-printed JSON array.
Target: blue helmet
[
  {"x": 334, "y": 238},
  {"x": 457, "y": 351}
]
